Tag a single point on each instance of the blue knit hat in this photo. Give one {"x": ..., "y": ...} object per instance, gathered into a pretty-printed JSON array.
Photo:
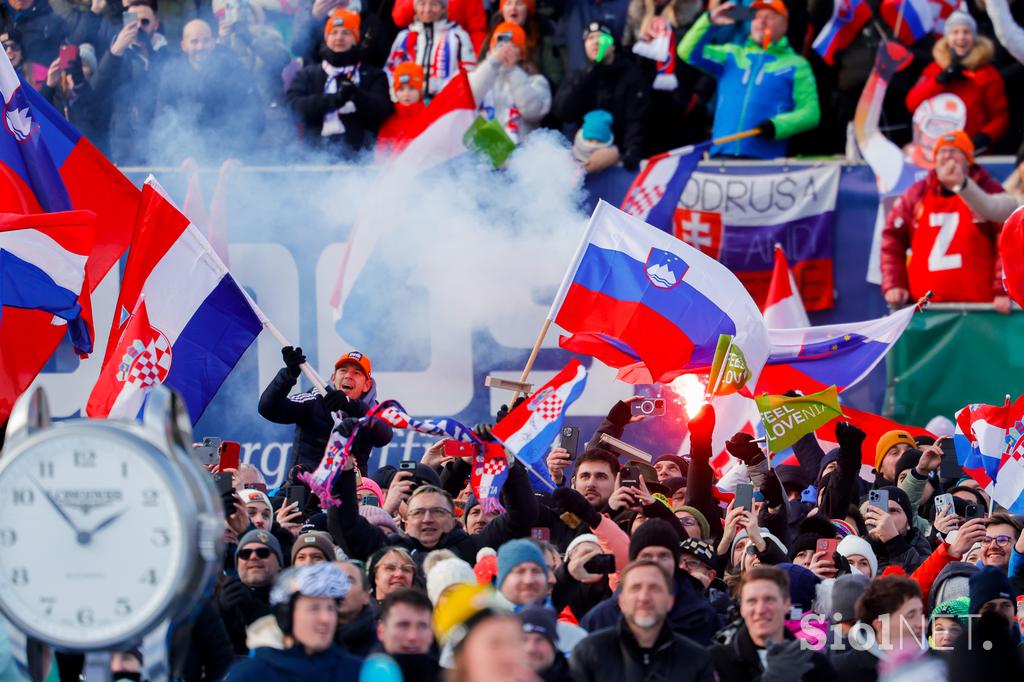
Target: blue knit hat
[
  {"x": 987, "y": 584},
  {"x": 597, "y": 125},
  {"x": 802, "y": 585},
  {"x": 516, "y": 552}
]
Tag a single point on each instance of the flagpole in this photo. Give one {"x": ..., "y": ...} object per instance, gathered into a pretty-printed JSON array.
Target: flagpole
[
  {"x": 533, "y": 356},
  {"x": 533, "y": 471},
  {"x": 923, "y": 302}
]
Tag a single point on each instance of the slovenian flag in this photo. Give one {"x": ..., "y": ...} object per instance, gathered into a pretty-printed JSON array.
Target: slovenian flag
[
  {"x": 643, "y": 301},
  {"x": 813, "y": 358},
  {"x": 784, "y": 308},
  {"x": 530, "y": 428},
  {"x": 989, "y": 441},
  {"x": 182, "y": 321}
]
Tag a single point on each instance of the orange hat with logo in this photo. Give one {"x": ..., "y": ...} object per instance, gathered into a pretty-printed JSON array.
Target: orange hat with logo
[
  {"x": 408, "y": 73},
  {"x": 354, "y": 358},
  {"x": 509, "y": 31},
  {"x": 957, "y": 139},
  {"x": 345, "y": 19},
  {"x": 773, "y": 5}
]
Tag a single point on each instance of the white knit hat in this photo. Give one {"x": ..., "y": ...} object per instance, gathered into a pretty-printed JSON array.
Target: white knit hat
[
  {"x": 852, "y": 544},
  {"x": 959, "y": 18},
  {"x": 579, "y": 540},
  {"x": 447, "y": 573}
]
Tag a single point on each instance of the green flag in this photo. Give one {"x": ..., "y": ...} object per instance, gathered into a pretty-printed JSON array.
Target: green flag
[
  {"x": 786, "y": 420},
  {"x": 489, "y": 139},
  {"x": 729, "y": 371}
]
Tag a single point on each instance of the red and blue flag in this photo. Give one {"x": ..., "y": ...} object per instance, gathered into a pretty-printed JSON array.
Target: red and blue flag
[
  {"x": 989, "y": 441},
  {"x": 848, "y": 18}
]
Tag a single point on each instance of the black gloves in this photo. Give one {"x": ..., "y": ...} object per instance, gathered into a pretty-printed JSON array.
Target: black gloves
[
  {"x": 337, "y": 400},
  {"x": 767, "y": 129},
  {"x": 571, "y": 501},
  {"x": 850, "y": 440},
  {"x": 981, "y": 142},
  {"x": 336, "y": 100},
  {"x": 504, "y": 409},
  {"x": 233, "y": 594},
  {"x": 951, "y": 73},
  {"x": 293, "y": 357},
  {"x": 620, "y": 414},
  {"x": 742, "y": 447}
]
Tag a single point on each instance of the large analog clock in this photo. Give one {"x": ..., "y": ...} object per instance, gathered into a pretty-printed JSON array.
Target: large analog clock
[{"x": 106, "y": 529}]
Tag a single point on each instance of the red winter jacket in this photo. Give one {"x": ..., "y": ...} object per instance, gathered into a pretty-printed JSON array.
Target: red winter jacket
[
  {"x": 981, "y": 88},
  {"x": 469, "y": 14},
  {"x": 902, "y": 219},
  {"x": 928, "y": 571}
]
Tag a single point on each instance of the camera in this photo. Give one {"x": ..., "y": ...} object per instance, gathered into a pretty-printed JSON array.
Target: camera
[{"x": 648, "y": 407}]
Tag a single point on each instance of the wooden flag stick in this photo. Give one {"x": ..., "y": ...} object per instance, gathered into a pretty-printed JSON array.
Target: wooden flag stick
[
  {"x": 736, "y": 136},
  {"x": 533, "y": 356}
]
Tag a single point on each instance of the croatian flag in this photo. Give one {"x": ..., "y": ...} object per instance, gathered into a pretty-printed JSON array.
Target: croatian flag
[
  {"x": 43, "y": 294},
  {"x": 654, "y": 195},
  {"x": 46, "y": 165},
  {"x": 182, "y": 319},
  {"x": 530, "y": 428},
  {"x": 784, "y": 308},
  {"x": 989, "y": 443},
  {"x": 813, "y": 358},
  {"x": 848, "y": 18},
  {"x": 637, "y": 298}
]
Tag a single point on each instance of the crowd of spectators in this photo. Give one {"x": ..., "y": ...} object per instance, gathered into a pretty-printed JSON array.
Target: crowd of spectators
[
  {"x": 827, "y": 573},
  {"x": 251, "y": 78}
]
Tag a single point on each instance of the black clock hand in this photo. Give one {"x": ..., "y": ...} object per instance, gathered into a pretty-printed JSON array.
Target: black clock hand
[{"x": 81, "y": 537}]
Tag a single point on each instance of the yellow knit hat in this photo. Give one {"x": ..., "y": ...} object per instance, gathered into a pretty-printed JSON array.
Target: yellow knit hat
[
  {"x": 459, "y": 608},
  {"x": 888, "y": 440}
]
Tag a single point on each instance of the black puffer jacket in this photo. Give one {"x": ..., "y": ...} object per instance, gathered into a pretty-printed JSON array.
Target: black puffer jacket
[
  {"x": 363, "y": 538},
  {"x": 620, "y": 89},
  {"x": 313, "y": 423},
  {"x": 613, "y": 655},
  {"x": 738, "y": 661},
  {"x": 42, "y": 31}
]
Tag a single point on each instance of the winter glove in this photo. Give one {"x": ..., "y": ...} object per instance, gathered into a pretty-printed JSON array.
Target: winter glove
[
  {"x": 620, "y": 414},
  {"x": 504, "y": 409},
  {"x": 571, "y": 501},
  {"x": 786, "y": 662},
  {"x": 234, "y": 595},
  {"x": 483, "y": 431},
  {"x": 842, "y": 564},
  {"x": 850, "y": 439},
  {"x": 293, "y": 357},
  {"x": 702, "y": 427},
  {"x": 767, "y": 129},
  {"x": 951, "y": 73},
  {"x": 336, "y": 400},
  {"x": 743, "y": 447},
  {"x": 981, "y": 142}
]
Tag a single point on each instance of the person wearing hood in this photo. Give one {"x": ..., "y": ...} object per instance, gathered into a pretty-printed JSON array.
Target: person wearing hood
[
  {"x": 440, "y": 46},
  {"x": 342, "y": 101},
  {"x": 895, "y": 541},
  {"x": 305, "y": 602},
  {"x": 610, "y": 82},
  {"x": 506, "y": 87},
  {"x": 351, "y": 394},
  {"x": 963, "y": 66}
]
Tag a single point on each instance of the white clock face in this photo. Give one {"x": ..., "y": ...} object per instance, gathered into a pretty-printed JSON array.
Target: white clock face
[{"x": 91, "y": 539}]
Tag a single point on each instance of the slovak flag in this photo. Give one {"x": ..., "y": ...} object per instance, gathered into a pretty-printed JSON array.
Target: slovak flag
[
  {"x": 916, "y": 18},
  {"x": 848, "y": 18},
  {"x": 813, "y": 358},
  {"x": 641, "y": 300},
  {"x": 784, "y": 309},
  {"x": 989, "y": 443},
  {"x": 530, "y": 428},
  {"x": 43, "y": 293},
  {"x": 182, "y": 319}
]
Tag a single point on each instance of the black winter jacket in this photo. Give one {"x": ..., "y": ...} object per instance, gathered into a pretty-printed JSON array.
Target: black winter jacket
[
  {"x": 619, "y": 88},
  {"x": 360, "y": 636},
  {"x": 613, "y": 655},
  {"x": 363, "y": 538},
  {"x": 42, "y": 31},
  {"x": 738, "y": 661},
  {"x": 313, "y": 423},
  {"x": 369, "y": 97}
]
